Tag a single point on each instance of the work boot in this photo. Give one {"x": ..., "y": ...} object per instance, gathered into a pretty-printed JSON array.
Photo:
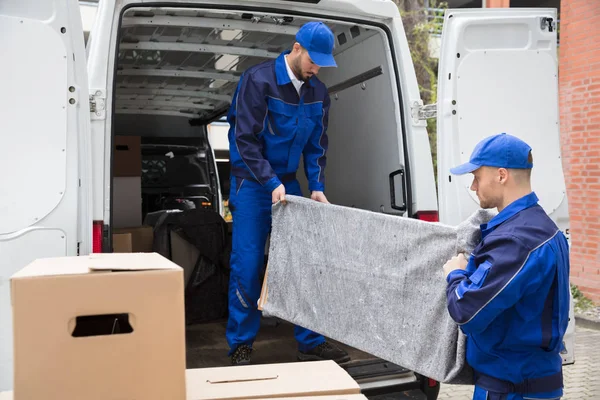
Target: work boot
[
  {"x": 324, "y": 351},
  {"x": 241, "y": 355}
]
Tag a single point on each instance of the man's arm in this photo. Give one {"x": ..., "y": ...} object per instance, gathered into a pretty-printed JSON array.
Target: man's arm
[
  {"x": 508, "y": 272},
  {"x": 315, "y": 152},
  {"x": 250, "y": 112}
]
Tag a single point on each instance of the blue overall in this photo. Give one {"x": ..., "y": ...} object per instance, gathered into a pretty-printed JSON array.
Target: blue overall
[
  {"x": 271, "y": 127},
  {"x": 512, "y": 303}
]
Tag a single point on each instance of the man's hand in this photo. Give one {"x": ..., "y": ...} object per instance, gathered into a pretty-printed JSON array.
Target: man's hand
[
  {"x": 319, "y": 196},
  {"x": 278, "y": 194},
  {"x": 456, "y": 262}
]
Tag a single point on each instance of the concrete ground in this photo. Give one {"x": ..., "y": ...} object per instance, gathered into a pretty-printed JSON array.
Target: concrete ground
[{"x": 581, "y": 379}]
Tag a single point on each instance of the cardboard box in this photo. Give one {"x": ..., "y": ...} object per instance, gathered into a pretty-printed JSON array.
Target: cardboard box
[
  {"x": 122, "y": 243},
  {"x": 127, "y": 156},
  {"x": 127, "y": 202},
  {"x": 141, "y": 238},
  {"x": 99, "y": 327},
  {"x": 267, "y": 381},
  {"x": 9, "y": 396}
]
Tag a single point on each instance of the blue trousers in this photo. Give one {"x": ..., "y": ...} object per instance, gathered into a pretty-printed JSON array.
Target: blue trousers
[
  {"x": 250, "y": 206},
  {"x": 482, "y": 394}
]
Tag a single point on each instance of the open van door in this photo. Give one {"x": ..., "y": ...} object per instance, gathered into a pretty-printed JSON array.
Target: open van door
[
  {"x": 44, "y": 133},
  {"x": 498, "y": 73}
]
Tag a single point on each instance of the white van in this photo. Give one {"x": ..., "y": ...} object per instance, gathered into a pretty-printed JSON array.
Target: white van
[{"x": 163, "y": 71}]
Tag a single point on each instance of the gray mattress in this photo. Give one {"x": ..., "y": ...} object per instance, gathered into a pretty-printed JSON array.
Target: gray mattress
[{"x": 369, "y": 280}]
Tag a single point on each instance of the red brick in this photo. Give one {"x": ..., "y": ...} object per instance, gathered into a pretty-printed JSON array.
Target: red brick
[{"x": 579, "y": 83}]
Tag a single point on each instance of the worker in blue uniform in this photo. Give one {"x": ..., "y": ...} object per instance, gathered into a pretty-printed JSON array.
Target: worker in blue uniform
[
  {"x": 511, "y": 297},
  {"x": 278, "y": 114}
]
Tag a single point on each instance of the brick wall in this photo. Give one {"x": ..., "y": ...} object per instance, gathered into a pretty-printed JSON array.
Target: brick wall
[
  {"x": 579, "y": 77},
  {"x": 497, "y": 3}
]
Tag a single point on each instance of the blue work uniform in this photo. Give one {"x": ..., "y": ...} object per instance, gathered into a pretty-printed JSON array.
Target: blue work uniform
[
  {"x": 271, "y": 127},
  {"x": 512, "y": 303}
]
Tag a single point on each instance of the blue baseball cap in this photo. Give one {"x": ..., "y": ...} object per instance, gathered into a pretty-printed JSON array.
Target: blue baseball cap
[
  {"x": 318, "y": 40},
  {"x": 502, "y": 151}
]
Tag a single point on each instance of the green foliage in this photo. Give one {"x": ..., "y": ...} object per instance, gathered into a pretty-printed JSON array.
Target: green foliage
[{"x": 581, "y": 303}]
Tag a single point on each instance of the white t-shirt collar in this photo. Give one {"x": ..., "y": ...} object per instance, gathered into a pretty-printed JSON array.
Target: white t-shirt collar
[{"x": 295, "y": 81}]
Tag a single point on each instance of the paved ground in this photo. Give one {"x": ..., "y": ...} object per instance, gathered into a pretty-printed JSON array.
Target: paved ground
[{"x": 581, "y": 379}]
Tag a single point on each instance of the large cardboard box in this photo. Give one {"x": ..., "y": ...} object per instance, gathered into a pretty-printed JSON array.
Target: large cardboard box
[
  {"x": 99, "y": 327},
  {"x": 140, "y": 239},
  {"x": 127, "y": 156},
  {"x": 122, "y": 243},
  {"x": 268, "y": 381}
]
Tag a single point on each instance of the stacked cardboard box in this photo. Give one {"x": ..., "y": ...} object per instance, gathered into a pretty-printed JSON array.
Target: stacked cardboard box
[
  {"x": 269, "y": 381},
  {"x": 133, "y": 240},
  {"x": 111, "y": 326}
]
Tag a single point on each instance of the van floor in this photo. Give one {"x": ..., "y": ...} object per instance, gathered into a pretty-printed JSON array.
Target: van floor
[{"x": 207, "y": 347}]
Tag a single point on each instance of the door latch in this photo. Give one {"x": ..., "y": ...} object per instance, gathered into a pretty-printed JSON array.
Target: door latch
[
  {"x": 97, "y": 104},
  {"x": 547, "y": 22},
  {"x": 422, "y": 113}
]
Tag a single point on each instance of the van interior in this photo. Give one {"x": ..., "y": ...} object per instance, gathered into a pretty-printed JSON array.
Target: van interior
[{"x": 176, "y": 71}]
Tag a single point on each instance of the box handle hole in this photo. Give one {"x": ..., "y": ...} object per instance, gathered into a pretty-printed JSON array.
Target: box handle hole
[{"x": 101, "y": 325}]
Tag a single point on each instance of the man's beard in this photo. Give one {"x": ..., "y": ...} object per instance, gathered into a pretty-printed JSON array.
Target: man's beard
[{"x": 298, "y": 71}]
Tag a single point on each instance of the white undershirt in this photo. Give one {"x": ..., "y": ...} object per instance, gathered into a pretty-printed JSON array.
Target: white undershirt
[{"x": 297, "y": 82}]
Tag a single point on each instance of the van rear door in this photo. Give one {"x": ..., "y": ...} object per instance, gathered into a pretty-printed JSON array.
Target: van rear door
[
  {"x": 498, "y": 72},
  {"x": 43, "y": 135}
]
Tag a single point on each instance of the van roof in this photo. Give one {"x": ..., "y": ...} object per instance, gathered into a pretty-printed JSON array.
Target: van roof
[{"x": 186, "y": 62}]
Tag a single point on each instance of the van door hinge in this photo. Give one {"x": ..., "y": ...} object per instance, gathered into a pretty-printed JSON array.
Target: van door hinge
[
  {"x": 547, "y": 22},
  {"x": 422, "y": 113},
  {"x": 97, "y": 104}
]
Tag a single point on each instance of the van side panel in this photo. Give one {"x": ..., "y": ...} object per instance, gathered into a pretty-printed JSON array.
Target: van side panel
[{"x": 45, "y": 105}]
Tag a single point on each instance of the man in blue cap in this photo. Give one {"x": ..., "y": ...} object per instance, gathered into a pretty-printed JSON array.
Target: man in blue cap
[
  {"x": 511, "y": 297},
  {"x": 279, "y": 113}
]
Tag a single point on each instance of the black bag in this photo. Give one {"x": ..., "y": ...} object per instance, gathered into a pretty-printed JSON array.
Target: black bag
[{"x": 206, "y": 292}]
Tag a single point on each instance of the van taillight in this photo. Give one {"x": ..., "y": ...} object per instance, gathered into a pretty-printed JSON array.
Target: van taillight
[
  {"x": 432, "y": 382},
  {"x": 97, "y": 236},
  {"x": 429, "y": 216}
]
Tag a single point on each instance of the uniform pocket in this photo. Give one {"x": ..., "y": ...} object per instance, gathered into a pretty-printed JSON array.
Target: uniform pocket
[
  {"x": 280, "y": 131},
  {"x": 477, "y": 279},
  {"x": 314, "y": 116},
  {"x": 281, "y": 117}
]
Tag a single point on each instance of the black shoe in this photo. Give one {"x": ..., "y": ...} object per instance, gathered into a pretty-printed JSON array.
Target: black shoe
[
  {"x": 324, "y": 351},
  {"x": 241, "y": 355}
]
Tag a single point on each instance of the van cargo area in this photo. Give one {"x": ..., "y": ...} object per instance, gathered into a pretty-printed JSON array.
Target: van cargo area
[
  {"x": 178, "y": 68},
  {"x": 176, "y": 72}
]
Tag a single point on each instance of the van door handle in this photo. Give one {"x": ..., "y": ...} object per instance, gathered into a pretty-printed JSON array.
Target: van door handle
[{"x": 393, "y": 175}]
